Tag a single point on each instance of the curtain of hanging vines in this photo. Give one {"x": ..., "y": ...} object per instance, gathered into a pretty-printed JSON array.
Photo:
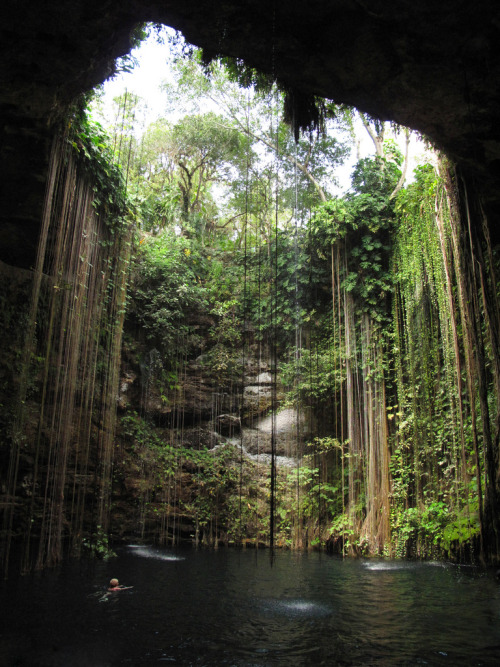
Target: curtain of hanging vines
[
  {"x": 445, "y": 316},
  {"x": 59, "y": 476},
  {"x": 419, "y": 431},
  {"x": 431, "y": 398},
  {"x": 477, "y": 265},
  {"x": 362, "y": 390}
]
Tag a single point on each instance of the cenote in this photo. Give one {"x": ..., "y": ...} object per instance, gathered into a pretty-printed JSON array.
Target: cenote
[
  {"x": 228, "y": 330},
  {"x": 235, "y": 607}
]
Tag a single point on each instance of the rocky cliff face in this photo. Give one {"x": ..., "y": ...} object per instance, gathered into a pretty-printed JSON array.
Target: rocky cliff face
[{"x": 201, "y": 437}]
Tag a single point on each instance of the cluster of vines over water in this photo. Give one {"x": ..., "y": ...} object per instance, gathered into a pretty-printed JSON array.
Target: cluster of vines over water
[
  {"x": 59, "y": 446},
  {"x": 445, "y": 362},
  {"x": 416, "y": 321}
]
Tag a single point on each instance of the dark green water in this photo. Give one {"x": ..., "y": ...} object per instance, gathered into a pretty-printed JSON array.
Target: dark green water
[{"x": 233, "y": 608}]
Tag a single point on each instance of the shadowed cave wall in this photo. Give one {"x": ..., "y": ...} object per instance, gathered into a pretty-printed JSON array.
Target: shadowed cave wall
[{"x": 431, "y": 66}]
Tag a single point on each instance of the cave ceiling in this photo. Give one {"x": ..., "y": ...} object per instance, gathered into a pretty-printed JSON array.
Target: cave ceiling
[{"x": 433, "y": 66}]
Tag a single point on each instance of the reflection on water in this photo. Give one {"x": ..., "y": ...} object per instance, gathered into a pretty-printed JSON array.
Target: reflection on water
[
  {"x": 389, "y": 566},
  {"x": 294, "y": 608},
  {"x": 234, "y": 608},
  {"x": 386, "y": 566},
  {"x": 150, "y": 552}
]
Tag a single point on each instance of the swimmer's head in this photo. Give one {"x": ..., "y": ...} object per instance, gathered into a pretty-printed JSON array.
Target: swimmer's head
[{"x": 113, "y": 582}]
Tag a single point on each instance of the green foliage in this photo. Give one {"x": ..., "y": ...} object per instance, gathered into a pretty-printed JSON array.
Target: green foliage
[
  {"x": 312, "y": 375},
  {"x": 97, "y": 545},
  {"x": 168, "y": 293},
  {"x": 285, "y": 295},
  {"x": 239, "y": 72},
  {"x": 464, "y": 527},
  {"x": 374, "y": 179},
  {"x": 217, "y": 479},
  {"x": 433, "y": 529},
  {"x": 362, "y": 223},
  {"x": 301, "y": 111},
  {"x": 177, "y": 168},
  {"x": 306, "y": 166},
  {"x": 204, "y": 147},
  {"x": 223, "y": 359},
  {"x": 434, "y": 517},
  {"x": 344, "y": 526},
  {"x": 318, "y": 498},
  {"x": 158, "y": 458},
  {"x": 91, "y": 142}
]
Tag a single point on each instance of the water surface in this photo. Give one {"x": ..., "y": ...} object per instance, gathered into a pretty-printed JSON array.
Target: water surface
[{"x": 232, "y": 607}]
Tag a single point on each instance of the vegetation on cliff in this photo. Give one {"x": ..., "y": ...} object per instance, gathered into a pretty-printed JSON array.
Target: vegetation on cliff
[{"x": 353, "y": 302}]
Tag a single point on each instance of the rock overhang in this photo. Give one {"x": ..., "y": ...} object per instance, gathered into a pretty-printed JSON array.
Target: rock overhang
[{"x": 432, "y": 66}]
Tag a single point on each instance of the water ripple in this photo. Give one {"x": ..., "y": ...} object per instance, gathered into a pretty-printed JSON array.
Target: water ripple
[{"x": 294, "y": 608}]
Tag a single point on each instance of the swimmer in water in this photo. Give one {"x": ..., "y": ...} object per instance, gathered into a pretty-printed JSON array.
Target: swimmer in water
[{"x": 114, "y": 585}]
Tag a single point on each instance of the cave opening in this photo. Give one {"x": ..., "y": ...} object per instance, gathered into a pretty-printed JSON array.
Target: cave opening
[{"x": 468, "y": 326}]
